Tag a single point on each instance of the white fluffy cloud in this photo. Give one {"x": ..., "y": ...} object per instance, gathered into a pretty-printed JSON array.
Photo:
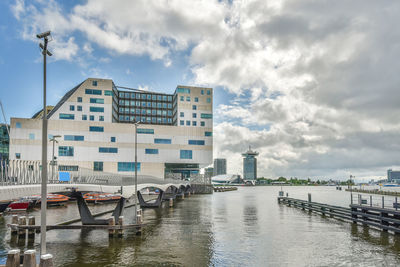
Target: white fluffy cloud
[{"x": 316, "y": 82}]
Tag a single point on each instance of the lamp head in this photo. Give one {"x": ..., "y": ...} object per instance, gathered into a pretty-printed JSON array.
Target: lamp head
[{"x": 43, "y": 35}]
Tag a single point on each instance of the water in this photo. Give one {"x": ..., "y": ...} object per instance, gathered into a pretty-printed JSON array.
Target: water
[{"x": 238, "y": 228}]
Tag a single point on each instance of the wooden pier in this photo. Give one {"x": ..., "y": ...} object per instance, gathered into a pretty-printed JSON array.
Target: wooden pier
[
  {"x": 374, "y": 191},
  {"x": 385, "y": 219}
]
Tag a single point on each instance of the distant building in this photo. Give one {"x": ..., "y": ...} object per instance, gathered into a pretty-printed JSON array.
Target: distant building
[
  {"x": 208, "y": 172},
  {"x": 227, "y": 179},
  {"x": 4, "y": 141},
  {"x": 39, "y": 114},
  {"x": 250, "y": 165},
  {"x": 219, "y": 166},
  {"x": 393, "y": 176}
]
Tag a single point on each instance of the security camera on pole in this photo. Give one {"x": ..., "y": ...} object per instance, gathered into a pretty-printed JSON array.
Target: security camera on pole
[{"x": 45, "y": 36}]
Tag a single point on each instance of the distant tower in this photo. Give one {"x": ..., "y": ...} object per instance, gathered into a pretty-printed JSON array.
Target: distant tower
[
  {"x": 219, "y": 166},
  {"x": 250, "y": 165}
]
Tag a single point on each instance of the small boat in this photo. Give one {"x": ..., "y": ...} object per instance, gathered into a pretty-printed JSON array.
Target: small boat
[
  {"x": 54, "y": 200},
  {"x": 391, "y": 185},
  {"x": 4, "y": 205},
  {"x": 20, "y": 205},
  {"x": 96, "y": 197}
]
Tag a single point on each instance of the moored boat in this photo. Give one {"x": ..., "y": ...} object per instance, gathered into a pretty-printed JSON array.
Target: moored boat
[
  {"x": 4, "y": 205},
  {"x": 19, "y": 205},
  {"x": 96, "y": 197},
  {"x": 55, "y": 199}
]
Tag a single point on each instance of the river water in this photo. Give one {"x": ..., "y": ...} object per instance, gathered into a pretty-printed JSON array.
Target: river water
[{"x": 246, "y": 227}]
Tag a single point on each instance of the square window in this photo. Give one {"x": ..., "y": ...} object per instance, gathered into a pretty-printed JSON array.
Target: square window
[
  {"x": 94, "y": 83},
  {"x": 188, "y": 98},
  {"x": 182, "y": 123},
  {"x": 91, "y": 117},
  {"x": 98, "y": 166},
  {"x": 32, "y": 136},
  {"x": 182, "y": 98},
  {"x": 101, "y": 118},
  {"x": 18, "y": 155},
  {"x": 208, "y": 92},
  {"x": 187, "y": 123},
  {"x": 202, "y": 123},
  {"x": 18, "y": 125},
  {"x": 186, "y": 154},
  {"x": 113, "y": 139},
  {"x": 194, "y": 123},
  {"x": 196, "y": 99},
  {"x": 72, "y": 107},
  {"x": 202, "y": 92},
  {"x": 194, "y": 115},
  {"x": 84, "y": 117},
  {"x": 79, "y": 99},
  {"x": 194, "y": 107},
  {"x": 182, "y": 114},
  {"x": 208, "y": 100},
  {"x": 79, "y": 108}
]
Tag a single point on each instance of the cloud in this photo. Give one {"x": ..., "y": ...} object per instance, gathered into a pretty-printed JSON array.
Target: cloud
[{"x": 315, "y": 82}]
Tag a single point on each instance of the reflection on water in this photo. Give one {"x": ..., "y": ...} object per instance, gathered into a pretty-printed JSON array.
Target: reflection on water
[{"x": 245, "y": 227}]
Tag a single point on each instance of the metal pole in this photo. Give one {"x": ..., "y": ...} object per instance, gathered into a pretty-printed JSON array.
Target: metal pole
[
  {"x": 52, "y": 162},
  {"x": 135, "y": 173},
  {"x": 44, "y": 160}
]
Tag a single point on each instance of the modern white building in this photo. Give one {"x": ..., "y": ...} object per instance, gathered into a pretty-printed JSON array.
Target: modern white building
[{"x": 95, "y": 121}]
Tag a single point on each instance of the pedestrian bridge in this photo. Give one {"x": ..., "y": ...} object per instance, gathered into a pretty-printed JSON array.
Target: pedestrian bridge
[{"x": 16, "y": 191}]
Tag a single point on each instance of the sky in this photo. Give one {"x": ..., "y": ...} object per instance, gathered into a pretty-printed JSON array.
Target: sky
[{"x": 313, "y": 86}]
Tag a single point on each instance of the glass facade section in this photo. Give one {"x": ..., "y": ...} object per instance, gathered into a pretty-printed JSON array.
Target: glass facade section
[
  {"x": 196, "y": 142},
  {"x": 66, "y": 151},
  {"x": 162, "y": 141},
  {"x": 208, "y": 133},
  {"x": 183, "y": 90},
  {"x": 74, "y": 138},
  {"x": 96, "y": 129},
  {"x": 108, "y": 150},
  {"x": 128, "y": 166},
  {"x": 97, "y": 100},
  {"x": 96, "y": 109},
  {"x": 92, "y": 92},
  {"x": 108, "y": 92},
  {"x": 145, "y": 131},
  {"x": 63, "y": 116},
  {"x": 186, "y": 154},
  {"x": 151, "y": 151},
  {"x": 206, "y": 116}
]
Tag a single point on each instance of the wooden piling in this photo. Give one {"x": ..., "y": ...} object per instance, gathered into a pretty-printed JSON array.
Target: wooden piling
[
  {"x": 31, "y": 232},
  {"x": 21, "y": 231},
  {"x": 46, "y": 260},
  {"x": 183, "y": 196},
  {"x": 14, "y": 221},
  {"x": 171, "y": 202},
  {"x": 120, "y": 222},
  {"x": 111, "y": 222},
  {"x": 13, "y": 258},
  {"x": 30, "y": 258}
]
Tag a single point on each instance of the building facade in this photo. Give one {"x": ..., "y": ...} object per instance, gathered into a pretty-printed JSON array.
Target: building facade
[
  {"x": 393, "y": 176},
  {"x": 96, "y": 120},
  {"x": 250, "y": 165},
  {"x": 219, "y": 166}
]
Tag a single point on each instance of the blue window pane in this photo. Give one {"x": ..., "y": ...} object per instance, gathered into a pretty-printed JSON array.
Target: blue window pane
[
  {"x": 79, "y": 108},
  {"x": 63, "y": 116},
  {"x": 208, "y": 100},
  {"x": 202, "y": 123},
  {"x": 66, "y": 151},
  {"x": 208, "y": 92},
  {"x": 108, "y": 92},
  {"x": 96, "y": 109},
  {"x": 94, "y": 83},
  {"x": 91, "y": 117},
  {"x": 162, "y": 141},
  {"x": 194, "y": 115},
  {"x": 208, "y": 133},
  {"x": 194, "y": 123},
  {"x": 182, "y": 123},
  {"x": 18, "y": 125},
  {"x": 188, "y": 98},
  {"x": 151, "y": 151},
  {"x": 97, "y": 100},
  {"x": 194, "y": 107},
  {"x": 84, "y": 117},
  {"x": 17, "y": 155},
  {"x": 32, "y": 136},
  {"x": 98, "y": 166},
  {"x": 96, "y": 129},
  {"x": 101, "y": 118},
  {"x": 92, "y": 92},
  {"x": 71, "y": 107},
  {"x": 108, "y": 150},
  {"x": 181, "y": 114},
  {"x": 196, "y": 99},
  {"x": 196, "y": 142},
  {"x": 202, "y": 92},
  {"x": 145, "y": 131},
  {"x": 182, "y": 98},
  {"x": 128, "y": 166},
  {"x": 74, "y": 138},
  {"x": 183, "y": 90},
  {"x": 187, "y": 123},
  {"x": 206, "y": 116},
  {"x": 186, "y": 154},
  {"x": 113, "y": 139},
  {"x": 79, "y": 99}
]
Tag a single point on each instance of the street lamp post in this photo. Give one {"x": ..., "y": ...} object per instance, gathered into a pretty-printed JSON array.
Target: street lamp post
[
  {"x": 136, "y": 124},
  {"x": 53, "y": 162},
  {"x": 45, "y": 53}
]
